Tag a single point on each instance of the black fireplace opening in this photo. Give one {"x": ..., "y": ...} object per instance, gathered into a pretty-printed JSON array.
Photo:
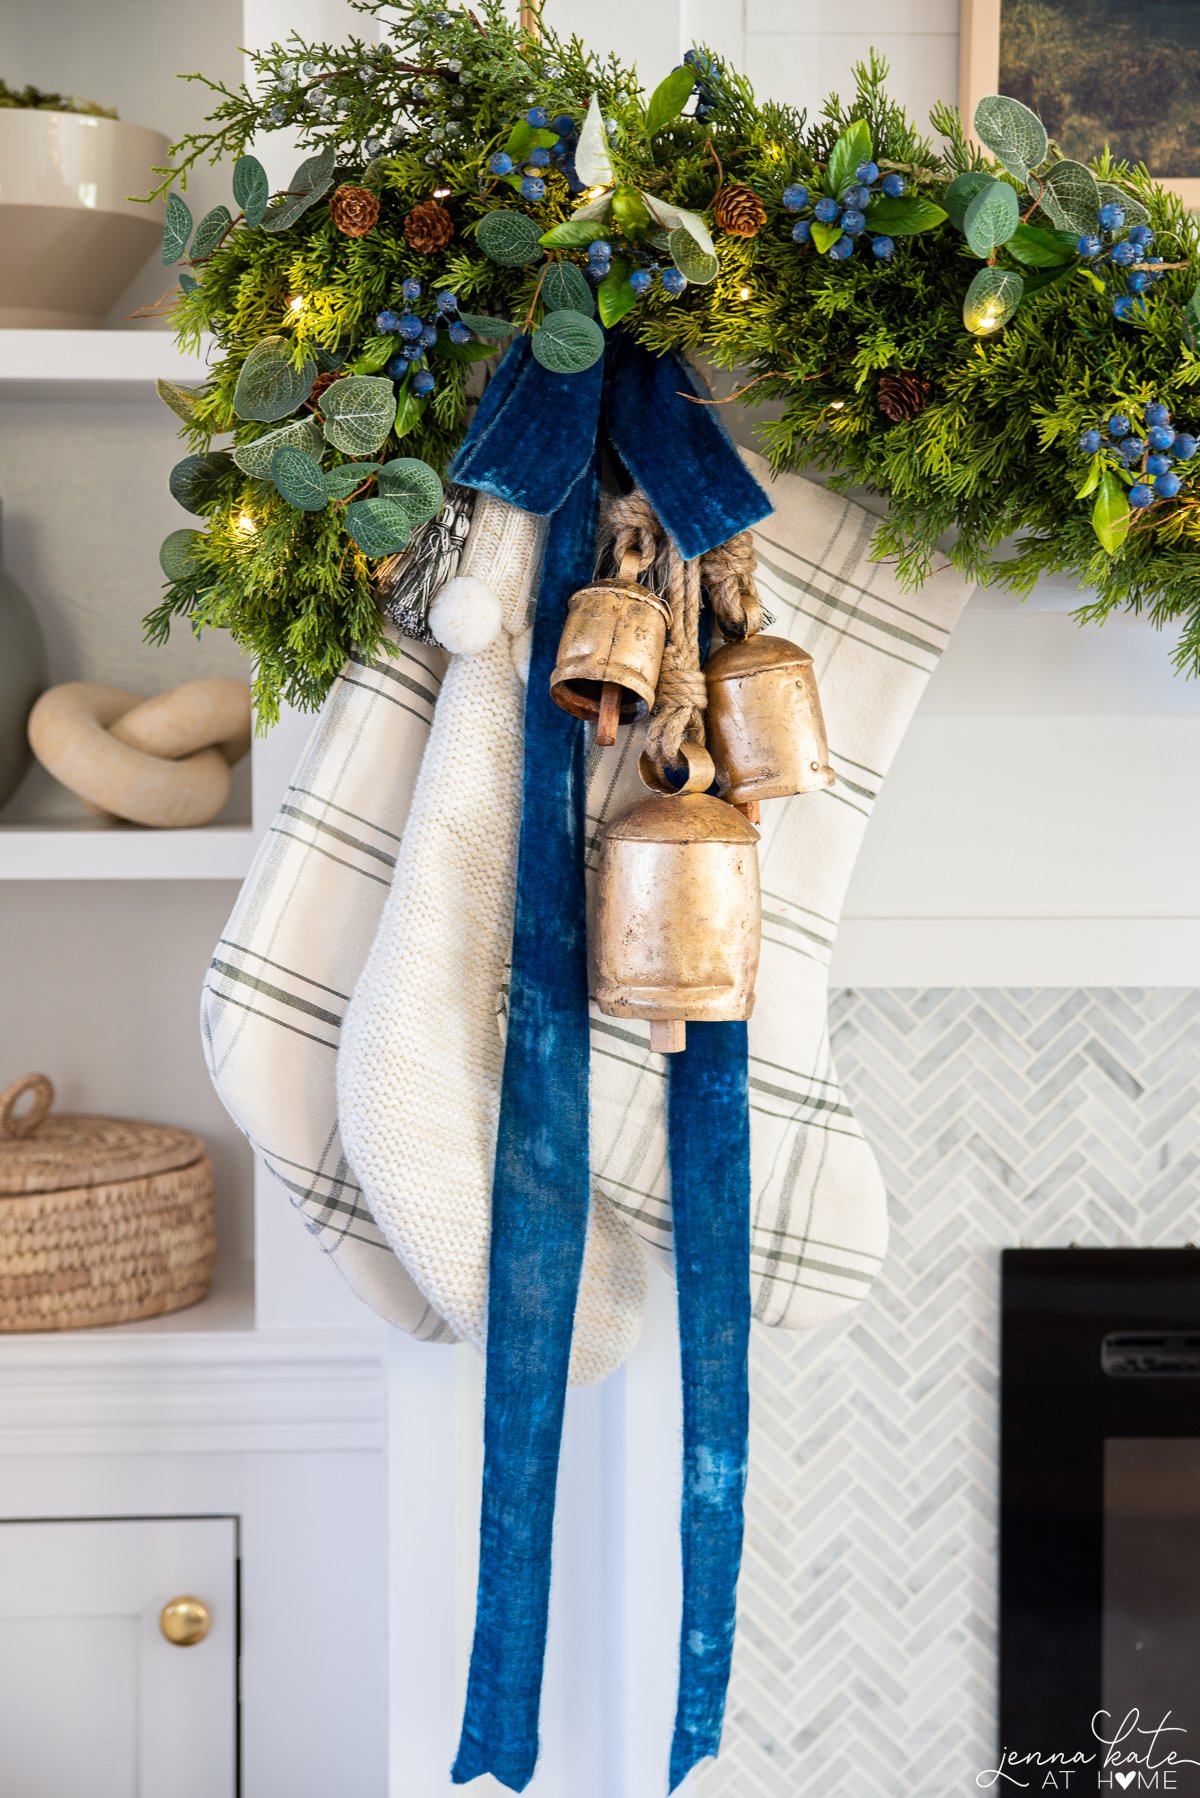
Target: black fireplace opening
[{"x": 1100, "y": 1519}]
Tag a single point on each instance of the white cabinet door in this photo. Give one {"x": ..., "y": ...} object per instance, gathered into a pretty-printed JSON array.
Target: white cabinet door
[{"x": 93, "y": 1698}]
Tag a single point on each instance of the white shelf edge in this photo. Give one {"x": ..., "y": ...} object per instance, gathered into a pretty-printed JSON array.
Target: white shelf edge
[
  {"x": 91, "y": 356},
  {"x": 214, "y": 852},
  {"x": 1017, "y": 952}
]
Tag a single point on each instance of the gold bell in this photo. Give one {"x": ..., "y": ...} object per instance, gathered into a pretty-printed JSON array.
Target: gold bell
[
  {"x": 610, "y": 652},
  {"x": 678, "y": 910},
  {"x": 764, "y": 725}
]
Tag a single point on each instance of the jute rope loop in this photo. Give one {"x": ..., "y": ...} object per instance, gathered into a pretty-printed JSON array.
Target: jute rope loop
[{"x": 39, "y": 1090}]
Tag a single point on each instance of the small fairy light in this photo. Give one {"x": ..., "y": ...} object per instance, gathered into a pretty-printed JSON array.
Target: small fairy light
[
  {"x": 245, "y": 524},
  {"x": 296, "y": 303},
  {"x": 593, "y": 193},
  {"x": 988, "y": 321},
  {"x": 837, "y": 405},
  {"x": 743, "y": 293},
  {"x": 441, "y": 193}
]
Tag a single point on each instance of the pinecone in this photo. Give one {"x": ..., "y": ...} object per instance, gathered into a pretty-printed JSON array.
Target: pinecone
[
  {"x": 428, "y": 227},
  {"x": 901, "y": 396},
  {"x": 354, "y": 210},
  {"x": 324, "y": 381},
  {"x": 738, "y": 210}
]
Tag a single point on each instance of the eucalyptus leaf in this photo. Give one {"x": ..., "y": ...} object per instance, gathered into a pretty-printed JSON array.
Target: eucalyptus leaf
[
  {"x": 254, "y": 459},
  {"x": 693, "y": 263},
  {"x": 1135, "y": 212},
  {"x": 181, "y": 400},
  {"x": 177, "y": 228},
  {"x": 197, "y": 480},
  {"x": 669, "y": 98},
  {"x": 566, "y": 343},
  {"x": 960, "y": 193},
  {"x": 1015, "y": 135},
  {"x": 509, "y": 238},
  {"x": 905, "y": 217},
  {"x": 1070, "y": 198},
  {"x": 1037, "y": 247},
  {"x": 380, "y": 527},
  {"x": 597, "y": 209},
  {"x": 1110, "y": 514},
  {"x": 677, "y": 218},
  {"x": 359, "y": 413},
  {"x": 573, "y": 234},
  {"x": 251, "y": 189},
  {"x": 564, "y": 289},
  {"x": 300, "y": 479},
  {"x": 187, "y": 283},
  {"x": 491, "y": 330},
  {"x": 210, "y": 231},
  {"x": 851, "y": 148},
  {"x": 415, "y": 485},
  {"x": 270, "y": 386},
  {"x": 593, "y": 164},
  {"x": 992, "y": 217},
  {"x": 177, "y": 556},
  {"x": 313, "y": 178},
  {"x": 348, "y": 477},
  {"x": 991, "y": 300},
  {"x": 614, "y": 296}
]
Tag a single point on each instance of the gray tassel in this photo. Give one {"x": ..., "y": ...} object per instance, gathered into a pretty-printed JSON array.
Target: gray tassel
[{"x": 406, "y": 583}]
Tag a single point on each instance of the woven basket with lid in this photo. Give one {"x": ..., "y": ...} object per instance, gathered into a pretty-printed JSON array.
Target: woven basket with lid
[{"x": 102, "y": 1220}]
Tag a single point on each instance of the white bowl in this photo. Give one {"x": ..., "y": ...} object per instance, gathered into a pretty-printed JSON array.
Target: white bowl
[{"x": 71, "y": 238}]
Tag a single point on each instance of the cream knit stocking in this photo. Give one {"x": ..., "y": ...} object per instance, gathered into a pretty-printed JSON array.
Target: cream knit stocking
[{"x": 422, "y": 1049}]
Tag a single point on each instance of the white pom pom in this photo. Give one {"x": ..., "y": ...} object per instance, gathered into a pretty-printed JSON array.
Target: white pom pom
[
  {"x": 522, "y": 646},
  {"x": 465, "y": 615}
]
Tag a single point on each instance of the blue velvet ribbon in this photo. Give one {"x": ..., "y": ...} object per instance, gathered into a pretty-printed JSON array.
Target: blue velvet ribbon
[{"x": 537, "y": 441}]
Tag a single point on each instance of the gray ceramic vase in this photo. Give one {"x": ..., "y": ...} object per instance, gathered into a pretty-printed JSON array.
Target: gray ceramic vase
[{"x": 22, "y": 677}]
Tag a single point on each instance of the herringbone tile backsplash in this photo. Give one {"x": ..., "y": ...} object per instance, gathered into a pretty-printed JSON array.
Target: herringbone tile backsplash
[{"x": 865, "y": 1665}]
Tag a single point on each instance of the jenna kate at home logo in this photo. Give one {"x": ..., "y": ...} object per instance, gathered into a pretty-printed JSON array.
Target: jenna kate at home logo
[{"x": 1130, "y": 1756}]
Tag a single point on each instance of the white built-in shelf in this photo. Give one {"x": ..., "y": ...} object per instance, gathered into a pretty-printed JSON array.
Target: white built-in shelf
[
  {"x": 88, "y": 356},
  {"x": 116, "y": 852}
]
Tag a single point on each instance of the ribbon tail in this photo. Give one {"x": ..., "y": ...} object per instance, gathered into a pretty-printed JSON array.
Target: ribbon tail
[
  {"x": 709, "y": 1139},
  {"x": 540, "y": 1199},
  {"x": 533, "y": 435}
]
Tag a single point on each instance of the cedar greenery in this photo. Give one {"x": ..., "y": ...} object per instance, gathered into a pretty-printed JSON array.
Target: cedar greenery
[{"x": 992, "y": 455}]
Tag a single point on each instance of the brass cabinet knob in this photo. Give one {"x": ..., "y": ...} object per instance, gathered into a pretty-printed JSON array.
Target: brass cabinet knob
[{"x": 185, "y": 1621}]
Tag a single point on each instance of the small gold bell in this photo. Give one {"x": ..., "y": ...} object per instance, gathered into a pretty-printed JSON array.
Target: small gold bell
[
  {"x": 764, "y": 725},
  {"x": 678, "y": 910},
  {"x": 610, "y": 652}
]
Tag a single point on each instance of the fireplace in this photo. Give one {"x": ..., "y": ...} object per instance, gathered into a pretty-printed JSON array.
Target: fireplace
[{"x": 1100, "y": 1518}]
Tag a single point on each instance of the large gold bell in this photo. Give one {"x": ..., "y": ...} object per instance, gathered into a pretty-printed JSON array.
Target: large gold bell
[
  {"x": 678, "y": 909},
  {"x": 609, "y": 654},
  {"x": 764, "y": 725}
]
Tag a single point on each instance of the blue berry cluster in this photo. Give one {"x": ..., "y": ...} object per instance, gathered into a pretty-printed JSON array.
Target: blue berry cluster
[
  {"x": 642, "y": 279},
  {"x": 849, "y": 213},
  {"x": 559, "y": 155},
  {"x": 1115, "y": 249},
  {"x": 1151, "y": 456},
  {"x": 708, "y": 86},
  {"x": 419, "y": 335}
]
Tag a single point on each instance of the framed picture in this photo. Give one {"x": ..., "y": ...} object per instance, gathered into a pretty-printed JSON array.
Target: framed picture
[{"x": 1095, "y": 72}]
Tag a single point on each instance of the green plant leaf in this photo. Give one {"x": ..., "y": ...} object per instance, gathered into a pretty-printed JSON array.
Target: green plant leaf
[
  {"x": 693, "y": 263},
  {"x": 1092, "y": 479},
  {"x": 1110, "y": 514},
  {"x": 905, "y": 217},
  {"x": 669, "y": 98},
  {"x": 359, "y": 413},
  {"x": 181, "y": 400},
  {"x": 409, "y": 409},
  {"x": 177, "y": 228},
  {"x": 825, "y": 236},
  {"x": 197, "y": 480},
  {"x": 597, "y": 209},
  {"x": 572, "y": 234},
  {"x": 564, "y": 289},
  {"x": 1037, "y": 247},
  {"x": 630, "y": 212},
  {"x": 525, "y": 137},
  {"x": 614, "y": 296},
  {"x": 566, "y": 343},
  {"x": 1070, "y": 197},
  {"x": 492, "y": 330},
  {"x": 1191, "y": 313},
  {"x": 270, "y": 386},
  {"x": 177, "y": 556},
  {"x": 251, "y": 189},
  {"x": 372, "y": 355},
  {"x": 991, "y": 300},
  {"x": 254, "y": 459},
  {"x": 677, "y": 218},
  {"x": 509, "y": 238},
  {"x": 1015, "y": 135},
  {"x": 463, "y": 352},
  {"x": 415, "y": 485},
  {"x": 1135, "y": 212},
  {"x": 187, "y": 283},
  {"x": 300, "y": 479},
  {"x": 1038, "y": 278},
  {"x": 313, "y": 178},
  {"x": 992, "y": 217},
  {"x": 593, "y": 164},
  {"x": 348, "y": 477},
  {"x": 210, "y": 231},
  {"x": 380, "y": 527},
  {"x": 961, "y": 192},
  {"x": 851, "y": 148}
]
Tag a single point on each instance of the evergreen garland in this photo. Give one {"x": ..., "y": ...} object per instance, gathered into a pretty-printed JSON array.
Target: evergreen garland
[{"x": 957, "y": 373}]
